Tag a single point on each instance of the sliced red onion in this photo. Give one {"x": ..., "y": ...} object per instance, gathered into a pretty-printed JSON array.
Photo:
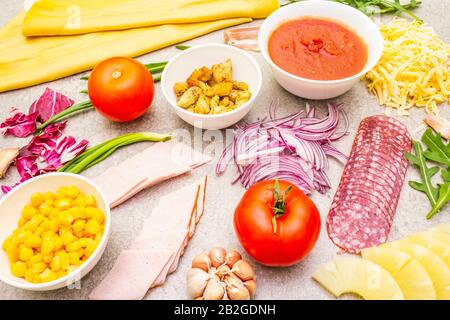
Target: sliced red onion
[{"x": 294, "y": 148}]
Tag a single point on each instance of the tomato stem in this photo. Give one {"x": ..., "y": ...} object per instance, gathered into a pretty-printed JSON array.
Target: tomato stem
[{"x": 279, "y": 203}]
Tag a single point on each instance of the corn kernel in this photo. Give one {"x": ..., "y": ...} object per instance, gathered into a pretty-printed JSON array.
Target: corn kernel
[
  {"x": 18, "y": 269},
  {"x": 81, "y": 201},
  {"x": 57, "y": 242},
  {"x": 98, "y": 236},
  {"x": 49, "y": 196},
  {"x": 91, "y": 201},
  {"x": 7, "y": 244},
  {"x": 67, "y": 236},
  {"x": 25, "y": 254},
  {"x": 38, "y": 267},
  {"x": 13, "y": 255},
  {"x": 64, "y": 259},
  {"x": 61, "y": 273},
  {"x": 92, "y": 227},
  {"x": 46, "y": 207},
  {"x": 74, "y": 258},
  {"x": 37, "y": 199},
  {"x": 55, "y": 265},
  {"x": 33, "y": 241},
  {"x": 45, "y": 225},
  {"x": 54, "y": 225},
  {"x": 22, "y": 221},
  {"x": 28, "y": 212},
  {"x": 78, "y": 225},
  {"x": 63, "y": 204},
  {"x": 29, "y": 275},
  {"x": 48, "y": 275},
  {"x": 23, "y": 235},
  {"x": 74, "y": 246},
  {"x": 61, "y": 193},
  {"x": 47, "y": 246},
  {"x": 73, "y": 192},
  {"x": 48, "y": 257},
  {"x": 35, "y": 259},
  {"x": 98, "y": 216}
]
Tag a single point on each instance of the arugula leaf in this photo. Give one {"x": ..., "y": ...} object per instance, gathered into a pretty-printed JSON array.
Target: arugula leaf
[
  {"x": 426, "y": 174},
  {"x": 371, "y": 7},
  {"x": 446, "y": 175},
  {"x": 437, "y": 150},
  {"x": 444, "y": 198}
]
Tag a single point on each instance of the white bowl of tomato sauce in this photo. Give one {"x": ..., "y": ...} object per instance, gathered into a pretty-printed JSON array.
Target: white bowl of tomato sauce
[{"x": 319, "y": 49}]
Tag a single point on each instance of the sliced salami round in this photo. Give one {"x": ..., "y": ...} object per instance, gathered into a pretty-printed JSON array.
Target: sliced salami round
[{"x": 364, "y": 205}]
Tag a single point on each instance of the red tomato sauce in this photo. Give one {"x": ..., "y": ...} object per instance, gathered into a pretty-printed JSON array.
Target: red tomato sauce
[{"x": 317, "y": 49}]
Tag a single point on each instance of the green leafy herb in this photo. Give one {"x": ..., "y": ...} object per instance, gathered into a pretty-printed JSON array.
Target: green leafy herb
[
  {"x": 76, "y": 108},
  {"x": 279, "y": 203},
  {"x": 437, "y": 150},
  {"x": 444, "y": 198},
  {"x": 371, "y": 7},
  {"x": 96, "y": 154}
]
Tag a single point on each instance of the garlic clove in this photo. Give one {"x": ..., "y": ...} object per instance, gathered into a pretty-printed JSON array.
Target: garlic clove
[
  {"x": 238, "y": 293},
  {"x": 222, "y": 271},
  {"x": 232, "y": 257},
  {"x": 217, "y": 256},
  {"x": 202, "y": 261},
  {"x": 251, "y": 287},
  {"x": 235, "y": 288},
  {"x": 214, "y": 290},
  {"x": 243, "y": 270},
  {"x": 197, "y": 280}
]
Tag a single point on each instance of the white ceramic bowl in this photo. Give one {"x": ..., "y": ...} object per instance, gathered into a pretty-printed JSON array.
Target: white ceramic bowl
[
  {"x": 10, "y": 211},
  {"x": 181, "y": 66},
  {"x": 349, "y": 16}
]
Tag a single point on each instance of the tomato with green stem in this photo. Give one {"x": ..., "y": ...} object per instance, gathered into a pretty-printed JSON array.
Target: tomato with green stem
[
  {"x": 121, "y": 89},
  {"x": 276, "y": 223}
]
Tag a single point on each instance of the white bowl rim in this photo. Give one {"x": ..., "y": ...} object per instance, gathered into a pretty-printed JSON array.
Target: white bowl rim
[
  {"x": 212, "y": 116},
  {"x": 50, "y": 284},
  {"x": 367, "y": 67}
]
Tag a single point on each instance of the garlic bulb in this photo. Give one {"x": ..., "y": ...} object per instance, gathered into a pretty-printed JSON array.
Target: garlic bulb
[{"x": 221, "y": 275}]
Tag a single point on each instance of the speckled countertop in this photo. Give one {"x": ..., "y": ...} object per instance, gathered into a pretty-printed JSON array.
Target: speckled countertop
[{"x": 216, "y": 226}]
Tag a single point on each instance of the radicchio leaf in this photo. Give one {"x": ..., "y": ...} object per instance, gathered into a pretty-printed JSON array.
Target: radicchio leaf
[
  {"x": 50, "y": 103},
  {"x": 19, "y": 125}
]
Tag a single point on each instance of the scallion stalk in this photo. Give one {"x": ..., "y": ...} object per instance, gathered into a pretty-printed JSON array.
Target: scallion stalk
[{"x": 96, "y": 154}]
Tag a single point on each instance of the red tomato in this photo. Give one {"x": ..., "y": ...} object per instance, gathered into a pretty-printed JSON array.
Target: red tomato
[
  {"x": 286, "y": 240},
  {"x": 121, "y": 89}
]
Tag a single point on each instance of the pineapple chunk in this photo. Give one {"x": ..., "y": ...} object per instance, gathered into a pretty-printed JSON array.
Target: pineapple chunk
[
  {"x": 437, "y": 242},
  {"x": 445, "y": 228},
  {"x": 433, "y": 264},
  {"x": 359, "y": 276},
  {"x": 411, "y": 277}
]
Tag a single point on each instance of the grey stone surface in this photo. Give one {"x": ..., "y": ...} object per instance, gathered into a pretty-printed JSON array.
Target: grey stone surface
[{"x": 216, "y": 227}]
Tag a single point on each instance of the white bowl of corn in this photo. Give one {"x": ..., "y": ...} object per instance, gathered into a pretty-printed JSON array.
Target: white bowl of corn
[{"x": 53, "y": 231}]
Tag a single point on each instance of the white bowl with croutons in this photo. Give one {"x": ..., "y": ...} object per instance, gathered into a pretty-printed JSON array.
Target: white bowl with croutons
[
  {"x": 11, "y": 210},
  {"x": 244, "y": 70}
]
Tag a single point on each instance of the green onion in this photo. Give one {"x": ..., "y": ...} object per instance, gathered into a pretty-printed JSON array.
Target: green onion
[
  {"x": 96, "y": 154},
  {"x": 76, "y": 108},
  {"x": 182, "y": 47}
]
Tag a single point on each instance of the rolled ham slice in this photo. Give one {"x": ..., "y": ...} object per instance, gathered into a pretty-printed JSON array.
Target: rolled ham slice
[
  {"x": 155, "y": 164},
  {"x": 156, "y": 252},
  {"x": 242, "y": 38}
]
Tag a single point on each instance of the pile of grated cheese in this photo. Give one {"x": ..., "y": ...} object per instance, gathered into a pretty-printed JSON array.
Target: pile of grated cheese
[{"x": 414, "y": 69}]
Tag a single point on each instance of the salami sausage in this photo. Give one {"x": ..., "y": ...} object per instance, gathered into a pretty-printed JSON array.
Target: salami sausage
[{"x": 364, "y": 205}]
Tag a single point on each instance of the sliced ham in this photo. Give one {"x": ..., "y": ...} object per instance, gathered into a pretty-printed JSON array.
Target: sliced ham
[
  {"x": 243, "y": 38},
  {"x": 155, "y": 164},
  {"x": 156, "y": 251},
  {"x": 132, "y": 275}
]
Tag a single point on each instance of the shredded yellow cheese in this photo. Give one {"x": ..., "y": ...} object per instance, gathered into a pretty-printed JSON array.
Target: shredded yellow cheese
[{"x": 414, "y": 69}]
